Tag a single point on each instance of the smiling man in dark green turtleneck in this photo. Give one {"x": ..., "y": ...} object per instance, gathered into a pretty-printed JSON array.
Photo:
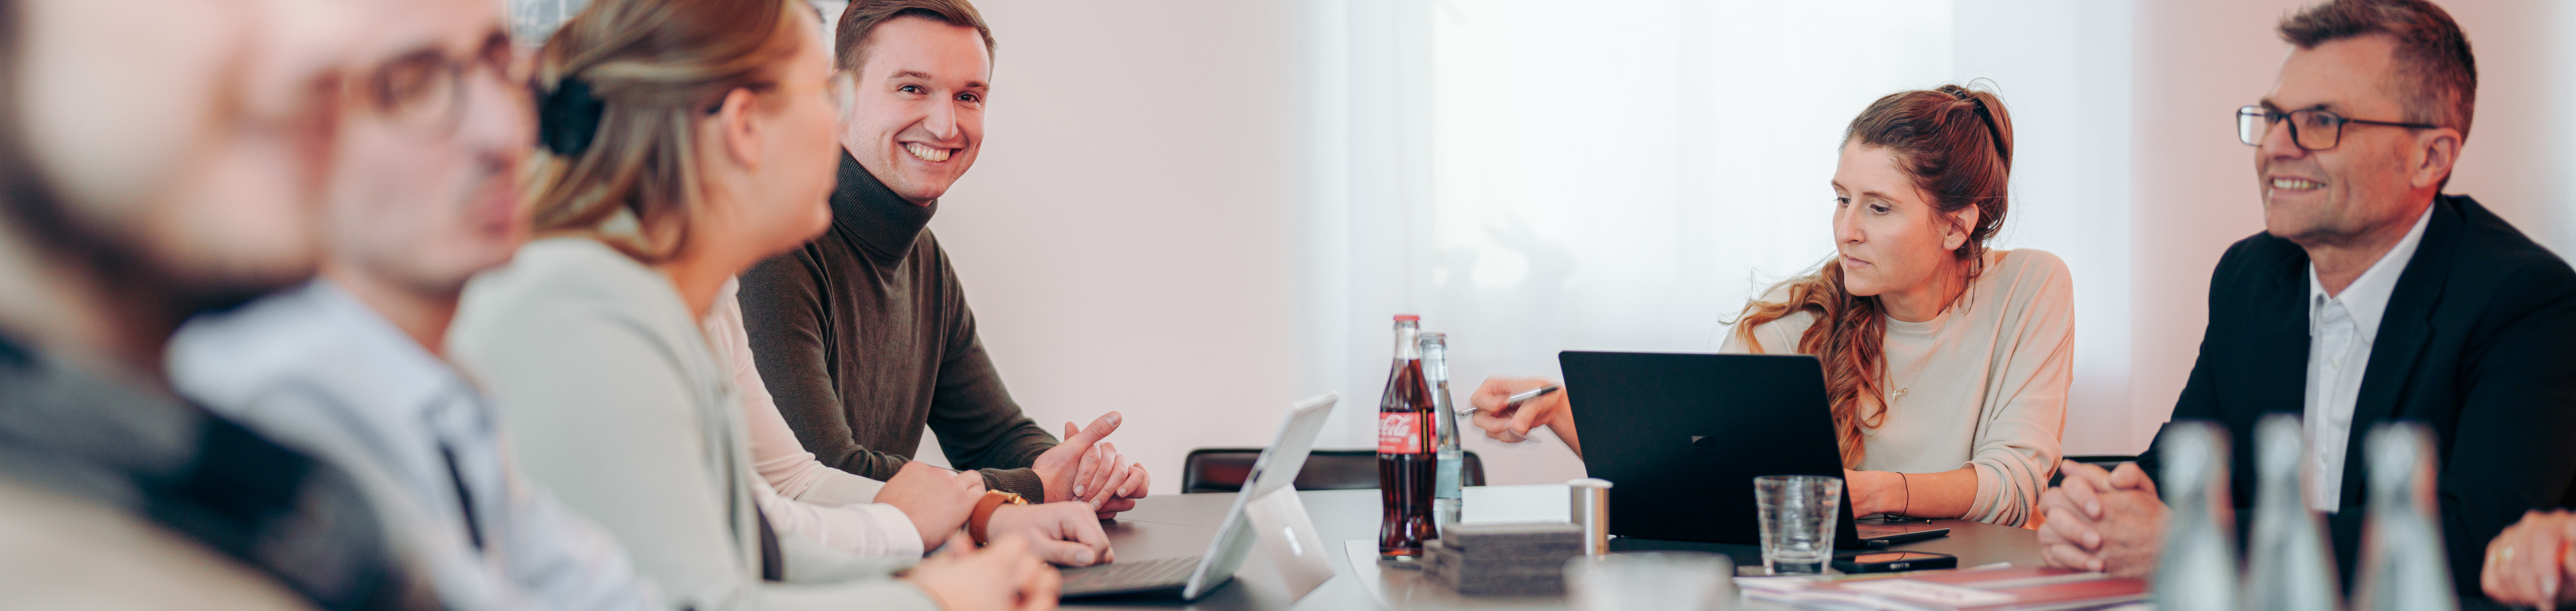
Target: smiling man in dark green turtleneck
[{"x": 863, "y": 335}]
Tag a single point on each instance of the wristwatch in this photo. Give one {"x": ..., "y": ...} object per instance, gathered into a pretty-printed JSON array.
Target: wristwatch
[{"x": 993, "y": 499}]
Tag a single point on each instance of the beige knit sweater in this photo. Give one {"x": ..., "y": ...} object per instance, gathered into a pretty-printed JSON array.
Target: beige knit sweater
[{"x": 1982, "y": 385}]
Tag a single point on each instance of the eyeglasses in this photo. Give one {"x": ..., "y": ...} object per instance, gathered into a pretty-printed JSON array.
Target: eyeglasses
[
  {"x": 2311, "y": 129},
  {"x": 424, "y": 90},
  {"x": 840, "y": 90}
]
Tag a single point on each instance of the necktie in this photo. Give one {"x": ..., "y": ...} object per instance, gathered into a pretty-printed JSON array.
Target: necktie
[{"x": 464, "y": 497}]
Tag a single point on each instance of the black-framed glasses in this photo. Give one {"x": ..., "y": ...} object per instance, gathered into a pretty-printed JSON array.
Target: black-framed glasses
[
  {"x": 424, "y": 90},
  {"x": 2311, "y": 129},
  {"x": 840, "y": 90}
]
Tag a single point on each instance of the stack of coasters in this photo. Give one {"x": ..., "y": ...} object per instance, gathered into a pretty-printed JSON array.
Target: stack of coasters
[{"x": 1511, "y": 559}]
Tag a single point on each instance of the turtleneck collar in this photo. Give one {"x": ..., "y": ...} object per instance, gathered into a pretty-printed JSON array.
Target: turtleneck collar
[{"x": 884, "y": 223}]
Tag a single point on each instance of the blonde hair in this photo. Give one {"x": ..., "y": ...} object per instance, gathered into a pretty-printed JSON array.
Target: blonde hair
[
  {"x": 654, "y": 67},
  {"x": 1956, "y": 143}
]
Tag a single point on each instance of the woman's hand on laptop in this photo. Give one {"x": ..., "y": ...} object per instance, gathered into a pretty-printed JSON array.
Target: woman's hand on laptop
[
  {"x": 1513, "y": 425},
  {"x": 1005, "y": 576}
]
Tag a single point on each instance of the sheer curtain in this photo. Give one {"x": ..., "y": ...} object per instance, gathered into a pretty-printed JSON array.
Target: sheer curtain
[{"x": 1622, "y": 174}]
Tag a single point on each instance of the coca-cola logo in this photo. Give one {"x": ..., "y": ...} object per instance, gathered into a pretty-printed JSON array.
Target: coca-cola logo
[
  {"x": 1399, "y": 433},
  {"x": 1394, "y": 425}
]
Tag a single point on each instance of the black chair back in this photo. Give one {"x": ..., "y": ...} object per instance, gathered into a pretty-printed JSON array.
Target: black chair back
[{"x": 1224, "y": 469}]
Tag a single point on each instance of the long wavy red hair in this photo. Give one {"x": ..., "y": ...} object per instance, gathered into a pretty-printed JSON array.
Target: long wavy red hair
[{"x": 1956, "y": 143}]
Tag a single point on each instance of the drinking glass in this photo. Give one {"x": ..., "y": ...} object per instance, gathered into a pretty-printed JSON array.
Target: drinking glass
[
  {"x": 1797, "y": 516},
  {"x": 1685, "y": 581}
]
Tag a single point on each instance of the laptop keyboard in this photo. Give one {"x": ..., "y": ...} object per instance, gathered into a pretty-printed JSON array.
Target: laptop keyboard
[{"x": 1130, "y": 576}]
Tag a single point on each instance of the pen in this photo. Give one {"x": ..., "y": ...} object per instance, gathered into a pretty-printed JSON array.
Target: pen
[{"x": 1514, "y": 402}]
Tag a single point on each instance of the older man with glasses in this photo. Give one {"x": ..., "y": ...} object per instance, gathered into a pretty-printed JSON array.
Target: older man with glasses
[{"x": 2370, "y": 297}]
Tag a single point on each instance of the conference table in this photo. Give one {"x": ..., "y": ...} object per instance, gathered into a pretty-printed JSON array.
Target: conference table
[{"x": 1347, "y": 520}]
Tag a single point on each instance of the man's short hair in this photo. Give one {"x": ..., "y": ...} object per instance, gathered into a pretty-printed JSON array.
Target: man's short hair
[
  {"x": 2436, "y": 78},
  {"x": 859, "y": 23}
]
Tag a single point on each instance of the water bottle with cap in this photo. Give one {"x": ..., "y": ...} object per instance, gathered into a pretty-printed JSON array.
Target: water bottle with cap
[
  {"x": 2402, "y": 563},
  {"x": 2198, "y": 567},
  {"x": 1445, "y": 494},
  {"x": 2288, "y": 567}
]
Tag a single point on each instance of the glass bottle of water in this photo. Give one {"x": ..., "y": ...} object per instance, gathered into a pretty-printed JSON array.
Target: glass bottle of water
[
  {"x": 2198, "y": 567},
  {"x": 2403, "y": 565},
  {"x": 1445, "y": 496},
  {"x": 2288, "y": 567}
]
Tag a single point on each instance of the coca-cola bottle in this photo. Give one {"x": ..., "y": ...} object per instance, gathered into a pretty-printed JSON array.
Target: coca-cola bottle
[{"x": 1405, "y": 456}]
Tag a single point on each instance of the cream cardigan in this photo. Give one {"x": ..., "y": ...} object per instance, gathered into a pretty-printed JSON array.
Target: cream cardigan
[{"x": 615, "y": 401}]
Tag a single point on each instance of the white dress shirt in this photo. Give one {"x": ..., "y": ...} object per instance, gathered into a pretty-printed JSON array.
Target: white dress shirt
[
  {"x": 315, "y": 368},
  {"x": 2341, "y": 328}
]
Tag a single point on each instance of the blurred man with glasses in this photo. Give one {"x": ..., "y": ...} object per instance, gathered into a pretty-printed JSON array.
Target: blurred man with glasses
[
  {"x": 2370, "y": 297},
  {"x": 352, "y": 365},
  {"x": 160, "y": 161}
]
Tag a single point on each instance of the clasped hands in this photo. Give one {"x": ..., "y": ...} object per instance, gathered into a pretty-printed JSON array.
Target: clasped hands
[
  {"x": 2097, "y": 520},
  {"x": 1084, "y": 483},
  {"x": 1085, "y": 468}
]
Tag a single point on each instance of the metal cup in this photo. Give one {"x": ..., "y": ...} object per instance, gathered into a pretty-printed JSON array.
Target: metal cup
[{"x": 1591, "y": 510}]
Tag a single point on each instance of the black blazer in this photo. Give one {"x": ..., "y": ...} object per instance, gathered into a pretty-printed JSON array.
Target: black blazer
[{"x": 2479, "y": 341}]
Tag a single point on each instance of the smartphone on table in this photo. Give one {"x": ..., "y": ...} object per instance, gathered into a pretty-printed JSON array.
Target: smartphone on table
[{"x": 1890, "y": 562}]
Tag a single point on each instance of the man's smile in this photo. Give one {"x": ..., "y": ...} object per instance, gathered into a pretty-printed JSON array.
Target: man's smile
[{"x": 928, "y": 153}]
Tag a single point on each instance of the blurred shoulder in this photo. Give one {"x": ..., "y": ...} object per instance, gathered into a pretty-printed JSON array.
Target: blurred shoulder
[
  {"x": 558, "y": 288},
  {"x": 565, "y": 268}
]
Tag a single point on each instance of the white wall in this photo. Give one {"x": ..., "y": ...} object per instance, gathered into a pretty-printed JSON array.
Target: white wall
[
  {"x": 2063, "y": 68},
  {"x": 1128, "y": 237}
]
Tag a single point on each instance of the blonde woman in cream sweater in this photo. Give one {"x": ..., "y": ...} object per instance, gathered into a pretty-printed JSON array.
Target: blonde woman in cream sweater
[{"x": 1946, "y": 363}]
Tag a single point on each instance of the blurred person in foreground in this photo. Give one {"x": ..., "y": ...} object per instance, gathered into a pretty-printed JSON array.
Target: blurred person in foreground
[
  {"x": 1946, "y": 361},
  {"x": 863, "y": 335},
  {"x": 2369, "y": 298},
  {"x": 160, "y": 161},
  {"x": 684, "y": 140},
  {"x": 351, "y": 366}
]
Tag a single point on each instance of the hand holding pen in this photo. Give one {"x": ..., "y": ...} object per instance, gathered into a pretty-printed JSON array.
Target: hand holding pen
[
  {"x": 1497, "y": 406},
  {"x": 1514, "y": 402}
]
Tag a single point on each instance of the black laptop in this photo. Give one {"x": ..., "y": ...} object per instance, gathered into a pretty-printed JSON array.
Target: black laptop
[{"x": 1681, "y": 436}]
